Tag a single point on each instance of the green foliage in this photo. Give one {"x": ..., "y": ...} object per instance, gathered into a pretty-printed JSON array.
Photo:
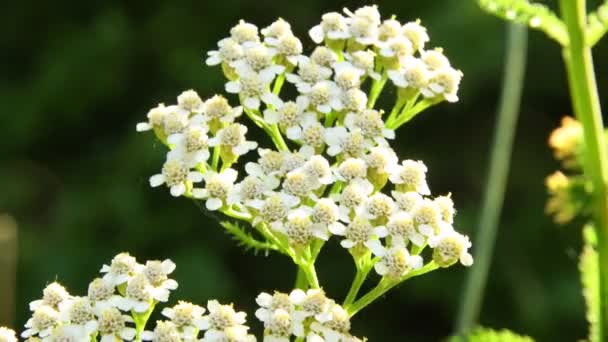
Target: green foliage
[
  {"x": 589, "y": 269},
  {"x": 490, "y": 335},
  {"x": 597, "y": 23},
  {"x": 536, "y": 16},
  {"x": 246, "y": 240}
]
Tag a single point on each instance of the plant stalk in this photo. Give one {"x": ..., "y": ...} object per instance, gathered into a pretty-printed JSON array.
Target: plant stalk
[
  {"x": 504, "y": 133},
  {"x": 583, "y": 89}
]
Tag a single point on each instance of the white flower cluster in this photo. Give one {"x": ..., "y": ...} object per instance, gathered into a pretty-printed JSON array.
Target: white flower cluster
[
  {"x": 342, "y": 178},
  {"x": 7, "y": 335},
  {"x": 301, "y": 314},
  {"x": 126, "y": 287}
]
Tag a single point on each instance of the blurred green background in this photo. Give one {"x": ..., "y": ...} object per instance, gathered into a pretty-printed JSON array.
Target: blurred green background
[{"x": 77, "y": 75}]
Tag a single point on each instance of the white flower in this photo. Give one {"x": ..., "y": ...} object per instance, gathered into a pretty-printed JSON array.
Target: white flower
[
  {"x": 298, "y": 183},
  {"x": 268, "y": 303},
  {"x": 347, "y": 76},
  {"x": 270, "y": 163},
  {"x": 52, "y": 295},
  {"x": 281, "y": 325},
  {"x": 175, "y": 120},
  {"x": 290, "y": 117},
  {"x": 354, "y": 194},
  {"x": 163, "y": 332},
  {"x": 113, "y": 325},
  {"x": 309, "y": 73},
  {"x": 253, "y": 88},
  {"x": 327, "y": 213},
  {"x": 42, "y": 322},
  {"x": 257, "y": 59},
  {"x": 449, "y": 247},
  {"x": 220, "y": 318},
  {"x": 218, "y": 108},
  {"x": 395, "y": 262},
  {"x": 290, "y": 47},
  {"x": 7, "y": 335},
  {"x": 191, "y": 145},
  {"x": 427, "y": 217},
  {"x": 417, "y": 34},
  {"x": 244, "y": 33},
  {"x": 445, "y": 82},
  {"x": 233, "y": 137},
  {"x": 69, "y": 332},
  {"x": 382, "y": 159},
  {"x": 376, "y": 206},
  {"x": 446, "y": 205},
  {"x": 156, "y": 117},
  {"x": 401, "y": 228},
  {"x": 185, "y": 315},
  {"x": 274, "y": 208},
  {"x": 351, "y": 169},
  {"x": 407, "y": 201},
  {"x": 313, "y": 132},
  {"x": 232, "y": 334},
  {"x": 389, "y": 29},
  {"x": 252, "y": 187},
  {"x": 123, "y": 266},
  {"x": 81, "y": 315},
  {"x": 398, "y": 48},
  {"x": 370, "y": 123},
  {"x": 324, "y": 56},
  {"x": 102, "y": 293},
  {"x": 411, "y": 175},
  {"x": 217, "y": 188},
  {"x": 176, "y": 175},
  {"x": 435, "y": 59},
  {"x": 413, "y": 73},
  {"x": 351, "y": 143},
  {"x": 357, "y": 233},
  {"x": 157, "y": 272},
  {"x": 319, "y": 170},
  {"x": 275, "y": 31},
  {"x": 190, "y": 101},
  {"x": 364, "y": 24},
  {"x": 313, "y": 302},
  {"x": 333, "y": 26},
  {"x": 300, "y": 229},
  {"x": 364, "y": 60},
  {"x": 229, "y": 50},
  {"x": 138, "y": 294},
  {"x": 323, "y": 97},
  {"x": 335, "y": 329},
  {"x": 354, "y": 100},
  {"x": 295, "y": 160}
]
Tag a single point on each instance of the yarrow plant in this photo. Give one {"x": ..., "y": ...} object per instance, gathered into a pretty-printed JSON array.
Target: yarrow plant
[{"x": 327, "y": 174}]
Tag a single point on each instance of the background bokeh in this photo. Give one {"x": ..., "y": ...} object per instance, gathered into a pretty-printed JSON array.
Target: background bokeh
[{"x": 75, "y": 77}]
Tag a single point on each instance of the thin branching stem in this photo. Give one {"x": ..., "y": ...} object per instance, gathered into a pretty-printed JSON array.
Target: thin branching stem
[{"x": 504, "y": 133}]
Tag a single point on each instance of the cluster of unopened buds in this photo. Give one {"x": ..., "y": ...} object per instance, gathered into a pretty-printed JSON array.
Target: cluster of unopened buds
[
  {"x": 119, "y": 304},
  {"x": 570, "y": 190}
]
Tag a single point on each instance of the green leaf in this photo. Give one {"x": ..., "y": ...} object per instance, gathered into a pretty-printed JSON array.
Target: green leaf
[
  {"x": 490, "y": 335},
  {"x": 597, "y": 24},
  {"x": 534, "y": 15},
  {"x": 590, "y": 270},
  {"x": 246, "y": 240}
]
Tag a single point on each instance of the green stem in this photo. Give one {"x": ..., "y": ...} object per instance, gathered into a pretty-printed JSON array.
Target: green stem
[
  {"x": 310, "y": 274},
  {"x": 504, "y": 132},
  {"x": 583, "y": 89},
  {"x": 396, "y": 108},
  {"x": 215, "y": 159},
  {"x": 141, "y": 319},
  {"x": 278, "y": 83},
  {"x": 356, "y": 286},
  {"x": 384, "y": 286},
  {"x": 376, "y": 90},
  {"x": 409, "y": 113},
  {"x": 301, "y": 282}
]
